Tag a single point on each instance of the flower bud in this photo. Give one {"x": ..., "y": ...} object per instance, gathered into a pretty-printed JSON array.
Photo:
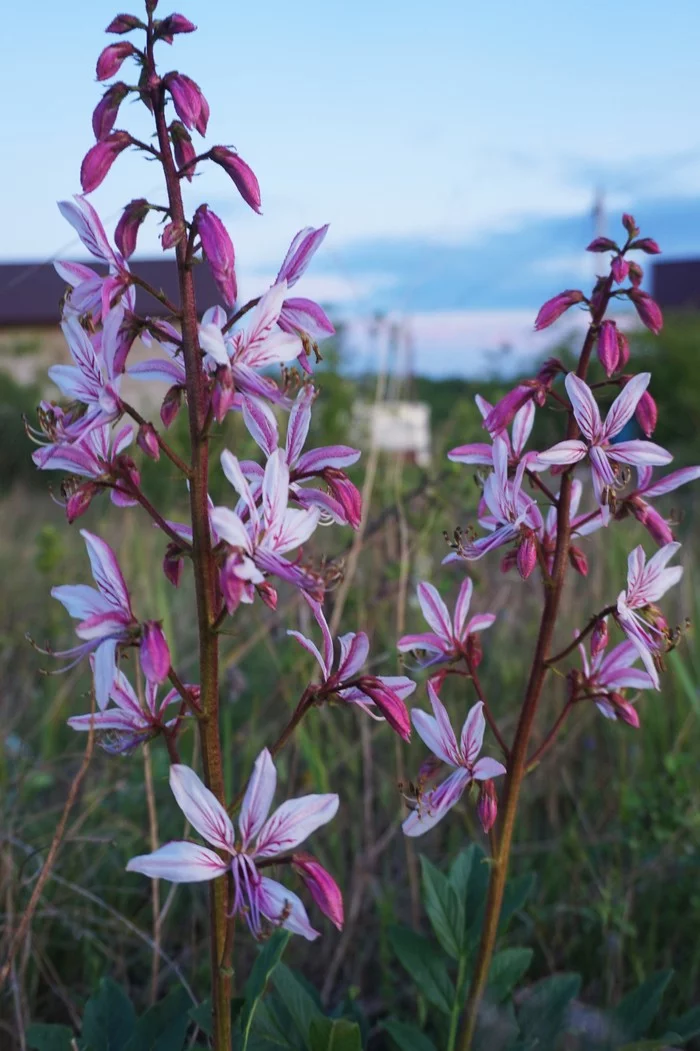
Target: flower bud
[
  {"x": 602, "y": 244},
  {"x": 173, "y": 24},
  {"x": 268, "y": 594},
  {"x": 608, "y": 347},
  {"x": 127, "y": 228},
  {"x": 303, "y": 315},
  {"x": 124, "y": 24},
  {"x": 243, "y": 176},
  {"x": 218, "y": 252},
  {"x": 647, "y": 414},
  {"x": 155, "y": 653},
  {"x": 171, "y": 405},
  {"x": 110, "y": 60},
  {"x": 79, "y": 500},
  {"x": 190, "y": 104},
  {"x": 636, "y": 274},
  {"x": 578, "y": 560},
  {"x": 172, "y": 234},
  {"x": 487, "y": 807},
  {"x": 646, "y": 244},
  {"x": 527, "y": 556},
  {"x": 321, "y": 886},
  {"x": 623, "y": 347},
  {"x": 649, "y": 311},
  {"x": 184, "y": 151},
  {"x": 600, "y": 637},
  {"x": 502, "y": 414},
  {"x": 509, "y": 561},
  {"x": 619, "y": 269},
  {"x": 147, "y": 441},
  {"x": 172, "y": 565},
  {"x": 347, "y": 495},
  {"x": 474, "y": 650},
  {"x": 624, "y": 710},
  {"x": 105, "y": 112},
  {"x": 655, "y": 524},
  {"x": 554, "y": 308},
  {"x": 98, "y": 160},
  {"x": 389, "y": 704},
  {"x": 630, "y": 225},
  {"x": 224, "y": 393}
]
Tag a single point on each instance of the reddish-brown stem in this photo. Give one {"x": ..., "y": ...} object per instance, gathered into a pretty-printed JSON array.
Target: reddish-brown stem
[
  {"x": 517, "y": 766},
  {"x": 126, "y": 486},
  {"x": 240, "y": 313},
  {"x": 537, "y": 481},
  {"x": 160, "y": 296},
  {"x": 204, "y": 565},
  {"x": 551, "y": 737},
  {"x": 581, "y": 635},
  {"x": 162, "y": 444}
]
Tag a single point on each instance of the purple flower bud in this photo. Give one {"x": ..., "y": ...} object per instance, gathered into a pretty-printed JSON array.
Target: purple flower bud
[
  {"x": 655, "y": 524},
  {"x": 649, "y": 311},
  {"x": 172, "y": 565},
  {"x": 487, "y": 807},
  {"x": 578, "y": 560},
  {"x": 646, "y": 244},
  {"x": 647, "y": 414},
  {"x": 624, "y": 710},
  {"x": 629, "y": 224},
  {"x": 636, "y": 274},
  {"x": 623, "y": 346},
  {"x": 98, "y": 160},
  {"x": 554, "y": 308},
  {"x": 190, "y": 104},
  {"x": 79, "y": 500},
  {"x": 600, "y": 637},
  {"x": 185, "y": 152},
  {"x": 608, "y": 347},
  {"x": 218, "y": 252},
  {"x": 172, "y": 25},
  {"x": 172, "y": 234},
  {"x": 147, "y": 441},
  {"x": 155, "y": 654},
  {"x": 602, "y": 244},
  {"x": 619, "y": 269},
  {"x": 322, "y": 887},
  {"x": 389, "y": 704},
  {"x": 124, "y": 24},
  {"x": 127, "y": 228},
  {"x": 171, "y": 405},
  {"x": 527, "y": 556},
  {"x": 347, "y": 494},
  {"x": 502, "y": 414},
  {"x": 105, "y": 112},
  {"x": 242, "y": 175},
  {"x": 268, "y": 594},
  {"x": 110, "y": 60}
]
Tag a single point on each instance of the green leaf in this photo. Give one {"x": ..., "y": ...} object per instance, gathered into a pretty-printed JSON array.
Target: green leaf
[
  {"x": 164, "y": 1025},
  {"x": 407, "y": 1037},
  {"x": 687, "y": 1026},
  {"x": 543, "y": 1015},
  {"x": 444, "y": 908},
  {"x": 297, "y": 1000},
  {"x": 507, "y": 968},
  {"x": 334, "y": 1034},
  {"x": 265, "y": 964},
  {"x": 635, "y": 1013},
  {"x": 425, "y": 964},
  {"x": 460, "y": 870},
  {"x": 659, "y": 1044},
  {"x": 269, "y": 1031},
  {"x": 109, "y": 1018},
  {"x": 49, "y": 1037},
  {"x": 469, "y": 875},
  {"x": 517, "y": 892}
]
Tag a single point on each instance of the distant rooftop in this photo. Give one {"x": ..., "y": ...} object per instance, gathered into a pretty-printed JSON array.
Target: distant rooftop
[
  {"x": 30, "y": 293},
  {"x": 676, "y": 284}
]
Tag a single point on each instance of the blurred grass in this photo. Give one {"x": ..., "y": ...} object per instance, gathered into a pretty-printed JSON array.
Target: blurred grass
[{"x": 610, "y": 821}]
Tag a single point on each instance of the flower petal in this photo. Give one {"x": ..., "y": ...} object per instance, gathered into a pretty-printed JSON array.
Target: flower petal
[
  {"x": 434, "y": 610},
  {"x": 585, "y": 407},
  {"x": 293, "y": 822},
  {"x": 106, "y": 571},
  {"x": 672, "y": 481},
  {"x": 258, "y": 797},
  {"x": 622, "y": 409},
  {"x": 284, "y": 908},
  {"x": 179, "y": 862},
  {"x": 473, "y": 733},
  {"x": 436, "y": 730},
  {"x": 486, "y": 768},
  {"x": 462, "y": 605},
  {"x": 436, "y": 804},
  {"x": 201, "y": 807},
  {"x": 640, "y": 452}
]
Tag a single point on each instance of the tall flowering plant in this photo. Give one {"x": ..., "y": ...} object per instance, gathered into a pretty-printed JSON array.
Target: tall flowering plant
[
  {"x": 537, "y": 526},
  {"x": 214, "y": 361}
]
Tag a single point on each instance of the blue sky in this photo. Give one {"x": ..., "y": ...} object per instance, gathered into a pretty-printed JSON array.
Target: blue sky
[{"x": 455, "y": 147}]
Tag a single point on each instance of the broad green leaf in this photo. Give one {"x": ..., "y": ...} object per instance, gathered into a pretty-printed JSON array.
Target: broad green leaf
[
  {"x": 109, "y": 1018},
  {"x": 49, "y": 1037},
  {"x": 444, "y": 908},
  {"x": 334, "y": 1034},
  {"x": 658, "y": 1044},
  {"x": 635, "y": 1013},
  {"x": 507, "y": 968},
  {"x": 542, "y": 1017},
  {"x": 687, "y": 1026},
  {"x": 297, "y": 1000},
  {"x": 461, "y": 868},
  {"x": 515, "y": 895},
  {"x": 269, "y": 1032},
  {"x": 407, "y": 1037},
  {"x": 426, "y": 965},
  {"x": 265, "y": 964},
  {"x": 164, "y": 1026}
]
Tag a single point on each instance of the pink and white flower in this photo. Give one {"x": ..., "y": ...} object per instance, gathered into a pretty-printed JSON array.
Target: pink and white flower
[
  {"x": 261, "y": 841},
  {"x": 637, "y": 614},
  {"x": 482, "y": 453},
  {"x": 605, "y": 675},
  {"x": 448, "y": 639},
  {"x": 93, "y": 293},
  {"x": 437, "y": 733},
  {"x": 637, "y": 502}
]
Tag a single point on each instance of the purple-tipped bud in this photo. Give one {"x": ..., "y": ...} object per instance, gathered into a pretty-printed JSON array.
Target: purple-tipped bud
[
  {"x": 190, "y": 104},
  {"x": 527, "y": 556},
  {"x": 268, "y": 594},
  {"x": 183, "y": 148},
  {"x": 623, "y": 346},
  {"x": 647, "y": 414},
  {"x": 172, "y": 565},
  {"x": 578, "y": 560},
  {"x": 646, "y": 244},
  {"x": 79, "y": 501},
  {"x": 172, "y": 25},
  {"x": 487, "y": 807},
  {"x": 600, "y": 637},
  {"x": 155, "y": 653},
  {"x": 127, "y": 228},
  {"x": 105, "y": 112},
  {"x": 554, "y": 308},
  {"x": 624, "y": 710},
  {"x": 636, "y": 274},
  {"x": 242, "y": 175},
  {"x": 322, "y": 887},
  {"x": 347, "y": 495},
  {"x": 172, "y": 403},
  {"x": 389, "y": 704},
  {"x": 602, "y": 244},
  {"x": 656, "y": 525},
  {"x": 147, "y": 441},
  {"x": 124, "y": 24},
  {"x": 110, "y": 60},
  {"x": 172, "y": 234},
  {"x": 218, "y": 252},
  {"x": 98, "y": 160},
  {"x": 224, "y": 393},
  {"x": 649, "y": 311},
  {"x": 503, "y": 412},
  {"x": 629, "y": 224},
  {"x": 608, "y": 347},
  {"x": 619, "y": 269}
]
